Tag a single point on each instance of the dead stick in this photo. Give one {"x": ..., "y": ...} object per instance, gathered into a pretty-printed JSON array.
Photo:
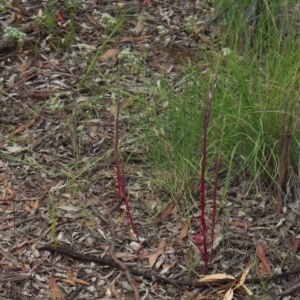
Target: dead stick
[
  {"x": 152, "y": 276},
  {"x": 116, "y": 260}
]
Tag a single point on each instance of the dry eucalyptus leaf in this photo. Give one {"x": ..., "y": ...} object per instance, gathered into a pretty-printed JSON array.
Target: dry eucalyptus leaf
[{"x": 160, "y": 250}]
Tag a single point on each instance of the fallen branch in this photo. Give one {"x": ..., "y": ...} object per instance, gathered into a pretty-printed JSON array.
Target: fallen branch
[{"x": 152, "y": 276}]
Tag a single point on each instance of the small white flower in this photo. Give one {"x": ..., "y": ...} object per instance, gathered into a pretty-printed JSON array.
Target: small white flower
[
  {"x": 191, "y": 22},
  {"x": 226, "y": 51},
  {"x": 124, "y": 53},
  {"x": 161, "y": 30},
  {"x": 107, "y": 20},
  {"x": 13, "y": 34}
]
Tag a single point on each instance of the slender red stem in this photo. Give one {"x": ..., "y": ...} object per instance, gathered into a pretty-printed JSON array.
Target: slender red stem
[
  {"x": 122, "y": 195},
  {"x": 203, "y": 235}
]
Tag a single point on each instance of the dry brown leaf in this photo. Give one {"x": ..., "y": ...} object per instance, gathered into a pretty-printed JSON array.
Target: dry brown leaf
[
  {"x": 111, "y": 53},
  {"x": 247, "y": 290},
  {"x": 6, "y": 195},
  {"x": 160, "y": 250},
  {"x": 29, "y": 205},
  {"x": 24, "y": 126},
  {"x": 75, "y": 279},
  {"x": 296, "y": 244},
  {"x": 9, "y": 257},
  {"x": 120, "y": 4},
  {"x": 147, "y": 2},
  {"x": 56, "y": 292},
  {"x": 135, "y": 39},
  {"x": 16, "y": 9},
  {"x": 115, "y": 292},
  {"x": 240, "y": 224},
  {"x": 166, "y": 211},
  {"x": 69, "y": 281},
  {"x": 88, "y": 223},
  {"x": 14, "y": 149},
  {"x": 184, "y": 230},
  {"x": 20, "y": 249},
  {"x": 190, "y": 295},
  {"x": 245, "y": 195},
  {"x": 228, "y": 295},
  {"x": 35, "y": 205},
  {"x": 23, "y": 66},
  {"x": 243, "y": 277},
  {"x": 139, "y": 26},
  {"x": 60, "y": 18},
  {"x": 266, "y": 267},
  {"x": 125, "y": 256},
  {"x": 199, "y": 4},
  {"x": 167, "y": 267},
  {"x": 203, "y": 37},
  {"x": 216, "y": 276}
]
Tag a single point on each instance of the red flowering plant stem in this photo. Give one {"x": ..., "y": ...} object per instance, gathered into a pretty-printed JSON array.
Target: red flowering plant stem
[
  {"x": 122, "y": 195},
  {"x": 201, "y": 238}
]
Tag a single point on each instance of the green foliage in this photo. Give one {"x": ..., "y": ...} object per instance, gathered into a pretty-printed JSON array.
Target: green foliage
[
  {"x": 255, "y": 103},
  {"x": 50, "y": 16},
  {"x": 4, "y": 4},
  {"x": 254, "y": 23},
  {"x": 72, "y": 6},
  {"x": 257, "y": 92},
  {"x": 173, "y": 127}
]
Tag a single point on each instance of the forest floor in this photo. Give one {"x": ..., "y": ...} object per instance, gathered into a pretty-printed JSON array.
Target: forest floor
[{"x": 58, "y": 184}]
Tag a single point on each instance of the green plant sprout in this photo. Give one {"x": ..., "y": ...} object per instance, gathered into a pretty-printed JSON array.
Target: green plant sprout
[
  {"x": 72, "y": 6},
  {"x": 50, "y": 16},
  {"x": 12, "y": 34}
]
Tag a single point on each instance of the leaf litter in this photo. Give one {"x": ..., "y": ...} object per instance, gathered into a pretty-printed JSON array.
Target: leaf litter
[{"x": 56, "y": 154}]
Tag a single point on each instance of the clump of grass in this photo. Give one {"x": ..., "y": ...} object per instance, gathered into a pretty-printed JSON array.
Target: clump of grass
[
  {"x": 72, "y": 6},
  {"x": 258, "y": 90},
  {"x": 184, "y": 154},
  {"x": 253, "y": 24},
  {"x": 50, "y": 16},
  {"x": 173, "y": 128},
  {"x": 255, "y": 107}
]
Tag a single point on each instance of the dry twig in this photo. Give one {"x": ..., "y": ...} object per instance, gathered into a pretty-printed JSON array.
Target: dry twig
[{"x": 116, "y": 260}]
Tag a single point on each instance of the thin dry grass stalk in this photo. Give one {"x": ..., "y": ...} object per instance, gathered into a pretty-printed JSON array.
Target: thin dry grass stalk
[{"x": 284, "y": 169}]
